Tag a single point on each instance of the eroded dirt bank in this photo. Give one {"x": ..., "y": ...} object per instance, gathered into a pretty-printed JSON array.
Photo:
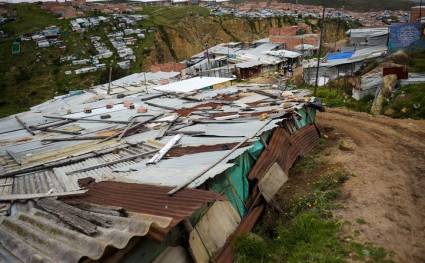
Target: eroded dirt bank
[{"x": 387, "y": 190}]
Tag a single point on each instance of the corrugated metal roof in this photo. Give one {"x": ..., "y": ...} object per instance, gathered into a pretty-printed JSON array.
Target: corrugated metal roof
[
  {"x": 33, "y": 234},
  {"x": 177, "y": 171},
  {"x": 83, "y": 227},
  {"x": 148, "y": 199},
  {"x": 65, "y": 178},
  {"x": 284, "y": 149},
  {"x": 192, "y": 84}
]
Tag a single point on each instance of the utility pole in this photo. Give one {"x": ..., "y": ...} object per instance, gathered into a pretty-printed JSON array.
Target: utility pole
[
  {"x": 320, "y": 49},
  {"x": 228, "y": 66},
  {"x": 110, "y": 80},
  {"x": 208, "y": 56}
]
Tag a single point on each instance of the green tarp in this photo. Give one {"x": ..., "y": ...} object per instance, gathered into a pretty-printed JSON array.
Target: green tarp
[
  {"x": 234, "y": 181},
  {"x": 308, "y": 117}
]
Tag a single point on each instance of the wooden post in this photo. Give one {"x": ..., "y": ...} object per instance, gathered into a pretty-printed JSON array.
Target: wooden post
[{"x": 320, "y": 49}]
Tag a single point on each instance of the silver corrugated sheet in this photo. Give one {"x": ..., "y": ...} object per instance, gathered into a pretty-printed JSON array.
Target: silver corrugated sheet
[
  {"x": 58, "y": 180},
  {"x": 34, "y": 235}
]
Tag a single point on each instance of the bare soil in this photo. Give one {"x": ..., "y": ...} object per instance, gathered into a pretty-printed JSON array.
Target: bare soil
[{"x": 385, "y": 199}]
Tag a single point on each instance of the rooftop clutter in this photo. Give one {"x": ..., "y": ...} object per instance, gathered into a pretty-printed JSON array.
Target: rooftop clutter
[{"x": 91, "y": 173}]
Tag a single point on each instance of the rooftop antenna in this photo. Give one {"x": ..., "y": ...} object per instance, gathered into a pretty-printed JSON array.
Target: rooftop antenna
[{"x": 320, "y": 49}]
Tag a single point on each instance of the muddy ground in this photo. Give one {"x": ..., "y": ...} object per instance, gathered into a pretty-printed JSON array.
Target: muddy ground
[{"x": 387, "y": 191}]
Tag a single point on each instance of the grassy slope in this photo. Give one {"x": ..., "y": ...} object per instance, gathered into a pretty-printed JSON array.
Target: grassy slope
[
  {"x": 36, "y": 75},
  {"x": 306, "y": 230}
]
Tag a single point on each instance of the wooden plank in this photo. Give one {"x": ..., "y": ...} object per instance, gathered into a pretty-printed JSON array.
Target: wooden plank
[
  {"x": 51, "y": 124},
  {"x": 85, "y": 119},
  {"x": 24, "y": 125},
  {"x": 101, "y": 209},
  {"x": 60, "y": 131},
  {"x": 40, "y": 195},
  {"x": 126, "y": 129},
  {"x": 12, "y": 155},
  {"x": 132, "y": 128},
  {"x": 77, "y": 222},
  {"x": 88, "y": 138},
  {"x": 261, "y": 92},
  {"x": 164, "y": 130},
  {"x": 160, "y": 106}
]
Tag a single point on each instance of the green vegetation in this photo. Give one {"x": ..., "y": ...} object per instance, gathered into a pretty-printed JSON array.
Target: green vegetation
[
  {"x": 308, "y": 164},
  {"x": 36, "y": 75},
  {"x": 360, "y": 221},
  {"x": 309, "y": 233},
  {"x": 340, "y": 96},
  {"x": 170, "y": 16},
  {"x": 417, "y": 62},
  {"x": 408, "y": 102}
]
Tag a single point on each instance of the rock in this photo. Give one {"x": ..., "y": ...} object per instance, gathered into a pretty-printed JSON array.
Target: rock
[
  {"x": 389, "y": 112},
  {"x": 400, "y": 57},
  {"x": 388, "y": 85},
  {"x": 346, "y": 145}
]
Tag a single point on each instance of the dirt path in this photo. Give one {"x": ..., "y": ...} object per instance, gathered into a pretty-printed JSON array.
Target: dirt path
[{"x": 388, "y": 189}]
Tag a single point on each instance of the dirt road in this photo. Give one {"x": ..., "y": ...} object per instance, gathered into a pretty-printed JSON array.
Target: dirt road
[{"x": 387, "y": 193}]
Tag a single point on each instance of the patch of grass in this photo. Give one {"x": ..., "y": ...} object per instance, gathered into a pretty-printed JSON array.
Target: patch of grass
[
  {"x": 251, "y": 248},
  {"x": 408, "y": 102},
  {"x": 333, "y": 97},
  {"x": 170, "y": 16},
  {"x": 360, "y": 221},
  {"x": 309, "y": 238},
  {"x": 369, "y": 252},
  {"x": 308, "y": 164},
  {"x": 417, "y": 62},
  {"x": 320, "y": 199},
  {"x": 309, "y": 233}
]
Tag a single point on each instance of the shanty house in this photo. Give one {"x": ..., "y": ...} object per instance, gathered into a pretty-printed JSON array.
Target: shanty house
[
  {"x": 145, "y": 172},
  {"x": 368, "y": 36},
  {"x": 341, "y": 64}
]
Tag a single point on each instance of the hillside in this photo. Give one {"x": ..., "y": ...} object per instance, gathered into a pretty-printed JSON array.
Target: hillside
[
  {"x": 36, "y": 75},
  {"x": 172, "y": 34},
  {"x": 360, "y": 5}
]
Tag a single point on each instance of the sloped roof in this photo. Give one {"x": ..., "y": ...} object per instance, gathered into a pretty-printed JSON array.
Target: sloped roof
[
  {"x": 148, "y": 199},
  {"x": 192, "y": 84},
  {"x": 33, "y": 234},
  {"x": 108, "y": 215}
]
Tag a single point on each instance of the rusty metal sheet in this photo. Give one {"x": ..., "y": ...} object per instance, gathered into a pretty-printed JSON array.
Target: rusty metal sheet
[
  {"x": 284, "y": 149},
  {"x": 148, "y": 199}
]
